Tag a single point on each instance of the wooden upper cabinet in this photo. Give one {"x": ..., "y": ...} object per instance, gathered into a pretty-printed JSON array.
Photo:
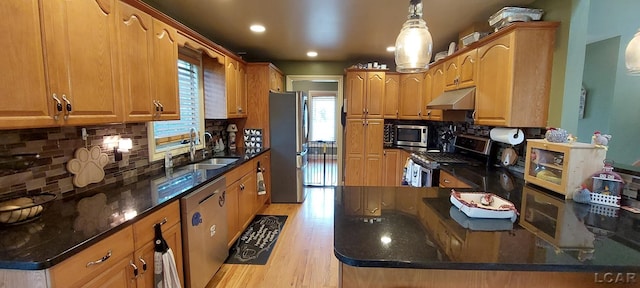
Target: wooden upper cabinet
[
  {"x": 236, "y": 82},
  {"x": 411, "y": 96},
  {"x": 356, "y": 98},
  {"x": 241, "y": 99},
  {"x": 467, "y": 67},
  {"x": 460, "y": 71},
  {"x": 81, "y": 61},
  {"x": 427, "y": 82},
  {"x": 365, "y": 94},
  {"x": 26, "y": 102},
  {"x": 451, "y": 74},
  {"x": 514, "y": 76},
  {"x": 374, "y": 130},
  {"x": 231, "y": 80},
  {"x": 437, "y": 88},
  {"x": 135, "y": 30},
  {"x": 391, "y": 95},
  {"x": 375, "y": 94},
  {"x": 276, "y": 80},
  {"x": 164, "y": 70}
]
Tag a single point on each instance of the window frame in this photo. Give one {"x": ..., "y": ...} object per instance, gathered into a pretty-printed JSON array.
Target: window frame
[
  {"x": 195, "y": 58},
  {"x": 320, "y": 93}
]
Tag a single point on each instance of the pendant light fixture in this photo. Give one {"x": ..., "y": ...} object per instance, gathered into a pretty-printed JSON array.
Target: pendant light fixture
[
  {"x": 414, "y": 44},
  {"x": 632, "y": 55}
]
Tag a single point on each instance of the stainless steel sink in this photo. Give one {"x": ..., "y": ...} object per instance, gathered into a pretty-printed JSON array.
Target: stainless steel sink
[
  {"x": 208, "y": 166},
  {"x": 218, "y": 161}
]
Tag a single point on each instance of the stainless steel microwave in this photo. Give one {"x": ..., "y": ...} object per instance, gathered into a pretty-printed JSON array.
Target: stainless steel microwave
[{"x": 412, "y": 135}]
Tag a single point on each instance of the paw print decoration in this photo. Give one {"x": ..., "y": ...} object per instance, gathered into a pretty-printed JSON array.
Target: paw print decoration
[{"x": 87, "y": 166}]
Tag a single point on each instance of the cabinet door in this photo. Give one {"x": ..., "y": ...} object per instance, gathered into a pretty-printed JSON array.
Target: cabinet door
[
  {"x": 26, "y": 102},
  {"x": 467, "y": 66},
  {"x": 135, "y": 30},
  {"x": 449, "y": 181},
  {"x": 391, "y": 167},
  {"x": 233, "y": 223},
  {"x": 231, "y": 81},
  {"x": 437, "y": 88},
  {"x": 247, "y": 199},
  {"x": 241, "y": 85},
  {"x": 494, "y": 82},
  {"x": 265, "y": 166},
  {"x": 173, "y": 236},
  {"x": 355, "y": 151},
  {"x": 375, "y": 94},
  {"x": 410, "y": 96},
  {"x": 165, "y": 70},
  {"x": 427, "y": 82},
  {"x": 391, "y": 95},
  {"x": 356, "y": 89},
  {"x": 120, "y": 275},
  {"x": 80, "y": 37},
  {"x": 451, "y": 74},
  {"x": 374, "y": 130}
]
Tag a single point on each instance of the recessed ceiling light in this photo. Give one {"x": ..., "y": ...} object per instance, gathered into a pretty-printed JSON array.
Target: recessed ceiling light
[
  {"x": 257, "y": 28},
  {"x": 391, "y": 48},
  {"x": 312, "y": 53}
]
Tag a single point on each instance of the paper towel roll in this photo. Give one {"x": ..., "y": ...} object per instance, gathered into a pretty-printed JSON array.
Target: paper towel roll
[{"x": 511, "y": 136}]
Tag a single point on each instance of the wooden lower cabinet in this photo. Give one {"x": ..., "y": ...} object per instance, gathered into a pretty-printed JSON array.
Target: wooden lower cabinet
[
  {"x": 449, "y": 181},
  {"x": 242, "y": 198},
  {"x": 119, "y": 275},
  {"x": 128, "y": 249},
  {"x": 364, "y": 152},
  {"x": 263, "y": 162},
  {"x": 354, "y": 277},
  {"x": 390, "y": 167}
]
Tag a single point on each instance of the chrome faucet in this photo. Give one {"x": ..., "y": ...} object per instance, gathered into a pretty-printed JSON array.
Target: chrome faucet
[
  {"x": 206, "y": 150},
  {"x": 193, "y": 137}
]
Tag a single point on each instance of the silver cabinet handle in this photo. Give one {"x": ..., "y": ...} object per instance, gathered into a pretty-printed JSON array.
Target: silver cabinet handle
[
  {"x": 144, "y": 264},
  {"x": 104, "y": 258},
  {"x": 446, "y": 181},
  {"x": 373, "y": 211},
  {"x": 58, "y": 107},
  {"x": 161, "y": 107},
  {"x": 135, "y": 269},
  {"x": 474, "y": 115},
  {"x": 68, "y": 106}
]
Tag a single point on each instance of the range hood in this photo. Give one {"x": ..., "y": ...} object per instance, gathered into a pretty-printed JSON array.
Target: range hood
[{"x": 461, "y": 99}]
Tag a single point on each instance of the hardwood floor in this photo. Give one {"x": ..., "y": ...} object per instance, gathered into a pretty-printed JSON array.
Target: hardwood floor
[{"x": 303, "y": 255}]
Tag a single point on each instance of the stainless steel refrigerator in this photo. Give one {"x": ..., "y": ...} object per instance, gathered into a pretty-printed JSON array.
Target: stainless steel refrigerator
[{"x": 288, "y": 128}]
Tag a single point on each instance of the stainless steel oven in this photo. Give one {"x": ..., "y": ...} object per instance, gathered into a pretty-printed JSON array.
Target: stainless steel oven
[{"x": 412, "y": 135}]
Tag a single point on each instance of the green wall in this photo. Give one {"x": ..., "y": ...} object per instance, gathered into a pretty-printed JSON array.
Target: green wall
[
  {"x": 620, "y": 21},
  {"x": 600, "y": 60},
  {"x": 317, "y": 86}
]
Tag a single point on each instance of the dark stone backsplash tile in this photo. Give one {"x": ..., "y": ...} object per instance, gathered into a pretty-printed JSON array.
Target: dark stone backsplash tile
[{"x": 57, "y": 145}]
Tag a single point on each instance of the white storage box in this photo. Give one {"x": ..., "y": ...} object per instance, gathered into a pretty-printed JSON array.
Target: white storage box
[{"x": 518, "y": 13}]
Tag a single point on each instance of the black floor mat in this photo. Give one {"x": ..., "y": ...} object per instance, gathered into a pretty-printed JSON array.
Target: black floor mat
[{"x": 256, "y": 242}]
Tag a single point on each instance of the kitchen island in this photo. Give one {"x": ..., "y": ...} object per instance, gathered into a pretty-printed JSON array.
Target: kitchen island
[{"x": 418, "y": 239}]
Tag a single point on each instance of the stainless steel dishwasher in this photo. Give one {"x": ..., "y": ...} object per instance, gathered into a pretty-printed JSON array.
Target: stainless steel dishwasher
[{"x": 204, "y": 232}]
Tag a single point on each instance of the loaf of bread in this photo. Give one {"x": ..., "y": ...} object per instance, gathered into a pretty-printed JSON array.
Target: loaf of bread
[
  {"x": 10, "y": 211},
  {"x": 548, "y": 176}
]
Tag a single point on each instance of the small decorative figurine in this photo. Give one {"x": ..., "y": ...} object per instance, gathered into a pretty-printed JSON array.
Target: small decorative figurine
[
  {"x": 607, "y": 186},
  {"x": 582, "y": 195},
  {"x": 600, "y": 140}
]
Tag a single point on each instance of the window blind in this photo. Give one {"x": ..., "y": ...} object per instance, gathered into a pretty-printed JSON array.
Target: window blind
[{"x": 173, "y": 132}]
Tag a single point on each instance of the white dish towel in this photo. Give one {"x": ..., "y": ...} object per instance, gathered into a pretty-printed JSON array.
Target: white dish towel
[{"x": 262, "y": 189}]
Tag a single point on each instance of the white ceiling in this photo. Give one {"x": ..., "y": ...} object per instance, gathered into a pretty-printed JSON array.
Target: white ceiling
[{"x": 339, "y": 30}]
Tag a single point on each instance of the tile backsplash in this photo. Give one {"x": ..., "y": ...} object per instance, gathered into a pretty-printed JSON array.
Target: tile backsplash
[{"x": 57, "y": 145}]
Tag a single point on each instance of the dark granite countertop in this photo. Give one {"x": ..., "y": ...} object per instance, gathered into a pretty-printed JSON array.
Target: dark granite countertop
[
  {"x": 61, "y": 231},
  {"x": 418, "y": 228}
]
